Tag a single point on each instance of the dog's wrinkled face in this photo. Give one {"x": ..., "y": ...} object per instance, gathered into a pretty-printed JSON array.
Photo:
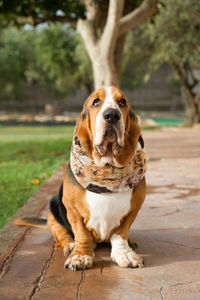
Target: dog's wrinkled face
[{"x": 107, "y": 114}]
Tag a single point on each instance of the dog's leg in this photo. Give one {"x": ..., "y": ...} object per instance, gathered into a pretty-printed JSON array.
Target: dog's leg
[
  {"x": 62, "y": 237},
  {"x": 82, "y": 256},
  {"x": 121, "y": 252}
]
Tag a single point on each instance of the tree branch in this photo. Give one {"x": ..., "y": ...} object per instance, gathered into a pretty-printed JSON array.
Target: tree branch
[
  {"x": 87, "y": 32},
  {"x": 139, "y": 15},
  {"x": 92, "y": 8},
  {"x": 87, "y": 27},
  {"x": 110, "y": 33}
]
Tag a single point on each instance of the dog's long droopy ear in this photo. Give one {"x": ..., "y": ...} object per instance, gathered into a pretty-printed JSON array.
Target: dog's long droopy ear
[
  {"x": 132, "y": 133},
  {"x": 141, "y": 141},
  {"x": 83, "y": 131}
]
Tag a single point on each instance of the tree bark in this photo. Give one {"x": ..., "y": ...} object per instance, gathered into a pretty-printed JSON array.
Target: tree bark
[
  {"x": 106, "y": 66},
  {"x": 192, "y": 104},
  {"x": 197, "y": 103},
  {"x": 138, "y": 16},
  {"x": 105, "y": 71}
]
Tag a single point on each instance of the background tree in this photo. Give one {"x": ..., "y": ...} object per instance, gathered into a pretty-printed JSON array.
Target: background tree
[
  {"x": 15, "y": 52},
  {"x": 176, "y": 39},
  {"x": 102, "y": 24},
  {"x": 137, "y": 54},
  {"x": 29, "y": 57},
  {"x": 65, "y": 66},
  {"x": 83, "y": 76},
  {"x": 173, "y": 36},
  {"x": 54, "y": 58}
]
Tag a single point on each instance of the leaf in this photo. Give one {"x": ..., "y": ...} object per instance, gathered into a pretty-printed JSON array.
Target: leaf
[
  {"x": 58, "y": 153},
  {"x": 21, "y": 151},
  {"x": 36, "y": 181}
]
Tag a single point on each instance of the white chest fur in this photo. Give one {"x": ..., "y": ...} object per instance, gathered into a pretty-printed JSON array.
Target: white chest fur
[{"x": 106, "y": 211}]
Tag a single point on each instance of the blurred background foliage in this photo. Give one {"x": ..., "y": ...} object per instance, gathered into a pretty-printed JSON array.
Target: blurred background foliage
[
  {"x": 172, "y": 36},
  {"x": 53, "y": 54}
]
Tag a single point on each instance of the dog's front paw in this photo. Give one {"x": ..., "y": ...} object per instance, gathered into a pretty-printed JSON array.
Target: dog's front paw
[
  {"x": 127, "y": 260},
  {"x": 66, "y": 244},
  {"x": 78, "y": 262},
  {"x": 68, "y": 248},
  {"x": 123, "y": 255}
]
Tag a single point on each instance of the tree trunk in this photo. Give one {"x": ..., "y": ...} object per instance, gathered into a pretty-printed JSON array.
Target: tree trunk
[
  {"x": 192, "y": 104},
  {"x": 101, "y": 49},
  {"x": 197, "y": 101},
  {"x": 104, "y": 71},
  {"x": 192, "y": 99},
  {"x": 106, "y": 65},
  {"x": 107, "y": 71}
]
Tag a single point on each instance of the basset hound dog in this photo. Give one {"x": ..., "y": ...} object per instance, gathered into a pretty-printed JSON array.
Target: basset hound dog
[{"x": 104, "y": 184}]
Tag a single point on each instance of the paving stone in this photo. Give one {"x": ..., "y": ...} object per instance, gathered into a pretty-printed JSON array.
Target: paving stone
[
  {"x": 168, "y": 143},
  {"x": 59, "y": 283},
  {"x": 27, "y": 265},
  {"x": 183, "y": 291}
]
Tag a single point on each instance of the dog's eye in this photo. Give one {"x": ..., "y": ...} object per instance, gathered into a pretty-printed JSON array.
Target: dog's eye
[
  {"x": 122, "y": 102},
  {"x": 96, "y": 102}
]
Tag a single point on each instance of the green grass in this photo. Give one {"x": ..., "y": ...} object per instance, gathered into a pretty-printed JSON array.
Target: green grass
[{"x": 28, "y": 153}]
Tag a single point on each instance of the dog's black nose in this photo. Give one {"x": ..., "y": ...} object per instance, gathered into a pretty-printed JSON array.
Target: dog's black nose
[{"x": 111, "y": 115}]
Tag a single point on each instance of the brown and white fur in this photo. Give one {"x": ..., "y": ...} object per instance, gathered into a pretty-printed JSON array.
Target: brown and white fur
[{"x": 108, "y": 139}]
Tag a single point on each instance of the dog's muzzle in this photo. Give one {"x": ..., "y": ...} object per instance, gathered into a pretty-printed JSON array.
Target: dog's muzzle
[
  {"x": 111, "y": 134},
  {"x": 109, "y": 127}
]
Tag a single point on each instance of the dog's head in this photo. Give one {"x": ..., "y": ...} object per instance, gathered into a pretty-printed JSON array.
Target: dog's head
[{"x": 108, "y": 128}]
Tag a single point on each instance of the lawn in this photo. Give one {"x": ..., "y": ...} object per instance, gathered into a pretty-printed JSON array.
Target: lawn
[{"x": 28, "y": 156}]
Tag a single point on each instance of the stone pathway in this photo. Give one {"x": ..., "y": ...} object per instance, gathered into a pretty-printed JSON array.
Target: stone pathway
[{"x": 167, "y": 231}]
